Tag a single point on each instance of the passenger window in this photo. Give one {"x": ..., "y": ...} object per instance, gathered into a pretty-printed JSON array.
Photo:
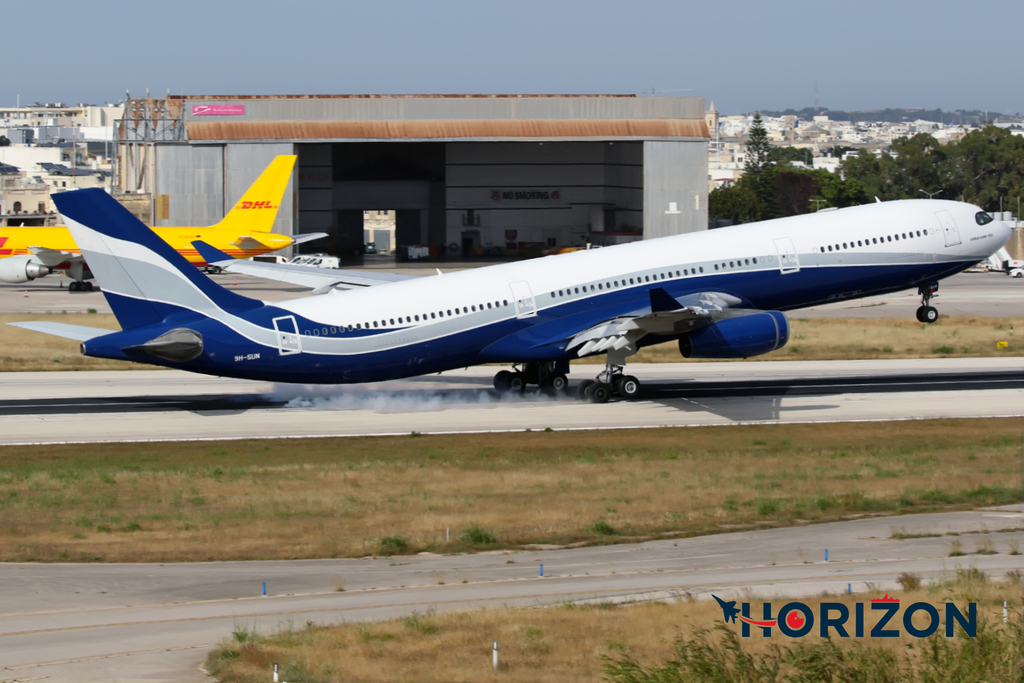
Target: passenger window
[
  {"x": 417, "y": 318},
  {"x": 334, "y": 330},
  {"x": 392, "y": 321},
  {"x": 577, "y": 291},
  {"x": 449, "y": 312},
  {"x": 359, "y": 326},
  {"x": 677, "y": 273},
  {"x": 918, "y": 233},
  {"x": 716, "y": 266},
  {"x": 748, "y": 261},
  {"x": 830, "y": 247},
  {"x": 474, "y": 308},
  {"x": 702, "y": 269},
  {"x": 647, "y": 278},
  {"x": 316, "y": 332},
  {"x": 553, "y": 295},
  {"x": 890, "y": 238},
  {"x": 488, "y": 305},
  {"x": 505, "y": 301},
  {"x": 755, "y": 261},
  {"x": 432, "y": 317},
  {"x": 599, "y": 286},
  {"x": 731, "y": 264}
]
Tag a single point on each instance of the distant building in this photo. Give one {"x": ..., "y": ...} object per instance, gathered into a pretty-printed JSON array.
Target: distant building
[{"x": 509, "y": 175}]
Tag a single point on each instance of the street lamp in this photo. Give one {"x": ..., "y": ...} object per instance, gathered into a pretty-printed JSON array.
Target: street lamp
[{"x": 931, "y": 195}]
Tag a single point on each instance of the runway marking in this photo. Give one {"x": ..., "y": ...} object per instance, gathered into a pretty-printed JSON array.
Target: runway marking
[{"x": 457, "y": 601}]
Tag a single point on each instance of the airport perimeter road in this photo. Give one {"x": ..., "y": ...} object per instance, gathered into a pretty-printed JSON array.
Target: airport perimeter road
[
  {"x": 59, "y": 407},
  {"x": 158, "y": 621},
  {"x": 988, "y": 295}
]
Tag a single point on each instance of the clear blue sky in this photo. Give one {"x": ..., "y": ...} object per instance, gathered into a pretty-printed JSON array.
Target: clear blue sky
[{"x": 744, "y": 55}]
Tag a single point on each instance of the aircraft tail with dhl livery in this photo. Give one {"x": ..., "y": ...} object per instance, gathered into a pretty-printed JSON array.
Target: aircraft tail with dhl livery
[
  {"x": 27, "y": 253},
  {"x": 257, "y": 209}
]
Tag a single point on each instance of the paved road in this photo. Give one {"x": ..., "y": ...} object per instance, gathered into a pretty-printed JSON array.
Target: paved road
[
  {"x": 157, "y": 621},
  {"x": 980, "y": 294},
  {"x": 59, "y": 407}
]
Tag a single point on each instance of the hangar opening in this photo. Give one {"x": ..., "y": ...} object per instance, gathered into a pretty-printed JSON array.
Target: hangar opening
[{"x": 462, "y": 176}]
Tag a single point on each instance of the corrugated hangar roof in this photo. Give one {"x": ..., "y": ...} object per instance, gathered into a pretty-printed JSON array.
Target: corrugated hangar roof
[
  {"x": 441, "y": 117},
  {"x": 447, "y": 129}
]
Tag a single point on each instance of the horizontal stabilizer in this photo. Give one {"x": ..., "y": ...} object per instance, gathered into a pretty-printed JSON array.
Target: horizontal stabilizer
[
  {"x": 76, "y": 332},
  {"x": 319, "y": 279},
  {"x": 302, "y": 239}
]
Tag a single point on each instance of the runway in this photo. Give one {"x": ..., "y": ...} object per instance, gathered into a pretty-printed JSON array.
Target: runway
[
  {"x": 62, "y": 407},
  {"x": 157, "y": 621}
]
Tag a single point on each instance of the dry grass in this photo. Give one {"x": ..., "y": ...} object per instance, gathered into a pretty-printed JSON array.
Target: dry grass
[
  {"x": 362, "y": 496},
  {"x": 811, "y": 339},
  {"x": 866, "y": 338},
  {"x": 564, "y": 643},
  {"x": 24, "y": 350}
]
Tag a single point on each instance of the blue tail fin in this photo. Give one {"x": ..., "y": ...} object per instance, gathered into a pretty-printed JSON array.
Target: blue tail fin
[{"x": 142, "y": 277}]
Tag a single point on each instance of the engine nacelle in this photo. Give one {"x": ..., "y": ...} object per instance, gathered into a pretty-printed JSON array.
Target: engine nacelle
[
  {"x": 742, "y": 337},
  {"x": 17, "y": 269}
]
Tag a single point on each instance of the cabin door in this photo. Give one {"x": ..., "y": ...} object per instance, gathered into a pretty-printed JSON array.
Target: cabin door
[
  {"x": 522, "y": 296},
  {"x": 789, "y": 262},
  {"x": 288, "y": 340},
  {"x": 949, "y": 229}
]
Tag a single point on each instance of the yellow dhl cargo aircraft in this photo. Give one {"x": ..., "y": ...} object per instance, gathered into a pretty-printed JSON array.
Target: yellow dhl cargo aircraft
[{"x": 27, "y": 253}]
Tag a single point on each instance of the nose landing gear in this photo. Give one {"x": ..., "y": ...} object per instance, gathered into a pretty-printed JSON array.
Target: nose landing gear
[{"x": 927, "y": 313}]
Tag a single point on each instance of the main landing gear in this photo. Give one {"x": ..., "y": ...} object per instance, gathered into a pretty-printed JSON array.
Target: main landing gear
[
  {"x": 83, "y": 286},
  {"x": 550, "y": 377},
  {"x": 927, "y": 313},
  {"x": 611, "y": 382}
]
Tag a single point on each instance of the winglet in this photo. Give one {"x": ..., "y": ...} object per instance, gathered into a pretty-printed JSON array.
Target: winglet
[
  {"x": 210, "y": 254},
  {"x": 662, "y": 301}
]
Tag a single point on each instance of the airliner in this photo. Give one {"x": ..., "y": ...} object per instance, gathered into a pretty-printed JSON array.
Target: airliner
[
  {"x": 27, "y": 253},
  {"x": 721, "y": 294}
]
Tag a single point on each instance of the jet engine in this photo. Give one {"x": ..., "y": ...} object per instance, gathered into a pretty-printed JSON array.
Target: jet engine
[
  {"x": 740, "y": 337},
  {"x": 17, "y": 269}
]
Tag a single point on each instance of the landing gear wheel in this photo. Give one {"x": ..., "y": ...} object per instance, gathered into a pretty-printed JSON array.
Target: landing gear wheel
[
  {"x": 584, "y": 386},
  {"x": 517, "y": 382},
  {"x": 87, "y": 286},
  {"x": 627, "y": 386},
  {"x": 75, "y": 286},
  {"x": 503, "y": 381},
  {"x": 216, "y": 270},
  {"x": 927, "y": 314},
  {"x": 600, "y": 393},
  {"x": 555, "y": 384}
]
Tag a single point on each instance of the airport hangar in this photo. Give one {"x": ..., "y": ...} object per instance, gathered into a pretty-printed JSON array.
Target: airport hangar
[{"x": 509, "y": 174}]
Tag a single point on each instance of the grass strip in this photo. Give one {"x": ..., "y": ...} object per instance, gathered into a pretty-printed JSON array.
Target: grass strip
[
  {"x": 247, "y": 500},
  {"x": 677, "y": 640}
]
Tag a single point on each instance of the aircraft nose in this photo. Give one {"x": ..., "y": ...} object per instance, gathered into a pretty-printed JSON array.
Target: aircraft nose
[{"x": 1002, "y": 232}]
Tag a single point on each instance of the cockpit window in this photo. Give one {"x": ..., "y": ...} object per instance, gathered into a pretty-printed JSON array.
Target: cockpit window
[{"x": 983, "y": 218}]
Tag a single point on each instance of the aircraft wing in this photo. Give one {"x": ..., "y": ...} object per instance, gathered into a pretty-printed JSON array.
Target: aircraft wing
[
  {"x": 320, "y": 280},
  {"x": 666, "y": 315},
  {"x": 53, "y": 257},
  {"x": 76, "y": 332}
]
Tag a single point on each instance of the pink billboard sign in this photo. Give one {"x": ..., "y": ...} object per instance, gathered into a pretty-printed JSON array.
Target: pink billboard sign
[{"x": 218, "y": 110}]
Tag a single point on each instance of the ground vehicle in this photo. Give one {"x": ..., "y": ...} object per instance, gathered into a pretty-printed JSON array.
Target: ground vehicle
[
  {"x": 315, "y": 261},
  {"x": 370, "y": 248}
]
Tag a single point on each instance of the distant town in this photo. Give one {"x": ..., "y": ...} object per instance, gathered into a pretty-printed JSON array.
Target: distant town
[{"x": 829, "y": 136}]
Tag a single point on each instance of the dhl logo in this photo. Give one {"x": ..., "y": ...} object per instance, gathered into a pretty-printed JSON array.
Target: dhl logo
[
  {"x": 255, "y": 205},
  {"x": 5, "y": 252}
]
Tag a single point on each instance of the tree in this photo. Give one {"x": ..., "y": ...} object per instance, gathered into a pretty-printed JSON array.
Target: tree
[
  {"x": 988, "y": 164},
  {"x": 757, "y": 174},
  {"x": 787, "y": 155},
  {"x": 736, "y": 203}
]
